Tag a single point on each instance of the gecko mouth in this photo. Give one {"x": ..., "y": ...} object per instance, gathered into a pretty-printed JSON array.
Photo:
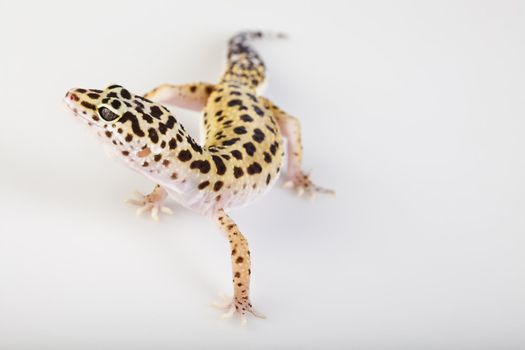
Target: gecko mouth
[{"x": 79, "y": 111}]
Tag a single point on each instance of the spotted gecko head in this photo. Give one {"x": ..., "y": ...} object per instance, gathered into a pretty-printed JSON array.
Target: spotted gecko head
[{"x": 135, "y": 126}]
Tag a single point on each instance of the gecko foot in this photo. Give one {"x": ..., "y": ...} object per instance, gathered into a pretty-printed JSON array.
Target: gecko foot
[
  {"x": 237, "y": 306},
  {"x": 302, "y": 184},
  {"x": 153, "y": 202}
]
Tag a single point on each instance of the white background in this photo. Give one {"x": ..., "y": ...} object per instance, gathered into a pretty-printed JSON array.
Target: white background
[{"x": 412, "y": 111}]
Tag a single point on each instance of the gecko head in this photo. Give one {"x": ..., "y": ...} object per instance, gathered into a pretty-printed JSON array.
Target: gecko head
[{"x": 134, "y": 126}]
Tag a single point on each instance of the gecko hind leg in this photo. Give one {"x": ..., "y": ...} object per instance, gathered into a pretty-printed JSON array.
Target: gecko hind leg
[
  {"x": 188, "y": 96},
  {"x": 290, "y": 128},
  {"x": 240, "y": 259},
  {"x": 153, "y": 202}
]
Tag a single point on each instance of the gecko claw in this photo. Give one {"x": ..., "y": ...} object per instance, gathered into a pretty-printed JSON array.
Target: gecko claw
[
  {"x": 155, "y": 213},
  {"x": 288, "y": 184},
  {"x": 153, "y": 202},
  {"x": 302, "y": 184},
  {"x": 166, "y": 210},
  {"x": 229, "y": 313},
  {"x": 237, "y": 306},
  {"x": 257, "y": 314},
  {"x": 142, "y": 209}
]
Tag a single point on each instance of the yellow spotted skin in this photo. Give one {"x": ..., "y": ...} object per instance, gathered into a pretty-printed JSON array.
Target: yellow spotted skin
[
  {"x": 237, "y": 124},
  {"x": 239, "y": 157}
]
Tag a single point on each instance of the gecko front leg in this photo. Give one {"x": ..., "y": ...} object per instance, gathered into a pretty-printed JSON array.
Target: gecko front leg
[
  {"x": 153, "y": 202},
  {"x": 241, "y": 269},
  {"x": 290, "y": 128},
  {"x": 189, "y": 96}
]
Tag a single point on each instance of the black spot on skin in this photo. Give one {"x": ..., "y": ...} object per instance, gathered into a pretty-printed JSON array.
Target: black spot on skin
[
  {"x": 147, "y": 118},
  {"x": 196, "y": 147},
  {"x": 135, "y": 126},
  {"x": 237, "y": 274},
  {"x": 193, "y": 88},
  {"x": 272, "y": 130},
  {"x": 114, "y": 86},
  {"x": 258, "y": 135},
  {"x": 209, "y": 89},
  {"x": 171, "y": 122},
  {"x": 239, "y": 260},
  {"x": 268, "y": 178},
  {"x": 125, "y": 153},
  {"x": 179, "y": 138},
  {"x": 128, "y": 138},
  {"x": 267, "y": 157},
  {"x": 202, "y": 165},
  {"x": 163, "y": 128},
  {"x": 157, "y": 157},
  {"x": 237, "y": 172},
  {"x": 250, "y": 148},
  {"x": 221, "y": 167},
  {"x": 273, "y": 149},
  {"x": 163, "y": 144},
  {"x": 257, "y": 110},
  {"x": 115, "y": 104},
  {"x": 152, "y": 133},
  {"x": 144, "y": 99},
  {"x": 93, "y": 95},
  {"x": 218, "y": 98},
  {"x": 108, "y": 133},
  {"x": 254, "y": 168},
  {"x": 236, "y": 154},
  {"x": 240, "y": 130},
  {"x": 88, "y": 105},
  {"x": 235, "y": 93},
  {"x": 156, "y": 112},
  {"x": 230, "y": 141},
  {"x": 218, "y": 113},
  {"x": 112, "y": 95},
  {"x": 246, "y": 118},
  {"x": 235, "y": 102},
  {"x": 218, "y": 185},
  {"x": 125, "y": 94},
  {"x": 225, "y": 156},
  {"x": 252, "y": 97},
  {"x": 172, "y": 144},
  {"x": 96, "y": 91},
  {"x": 203, "y": 185},
  {"x": 184, "y": 155}
]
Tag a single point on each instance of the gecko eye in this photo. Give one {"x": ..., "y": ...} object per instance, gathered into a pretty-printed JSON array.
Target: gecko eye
[{"x": 106, "y": 114}]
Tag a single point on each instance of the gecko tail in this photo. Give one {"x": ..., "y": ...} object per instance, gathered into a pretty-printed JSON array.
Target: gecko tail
[
  {"x": 247, "y": 35},
  {"x": 245, "y": 66}
]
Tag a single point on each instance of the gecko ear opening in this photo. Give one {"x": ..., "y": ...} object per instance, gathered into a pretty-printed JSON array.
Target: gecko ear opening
[{"x": 107, "y": 114}]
